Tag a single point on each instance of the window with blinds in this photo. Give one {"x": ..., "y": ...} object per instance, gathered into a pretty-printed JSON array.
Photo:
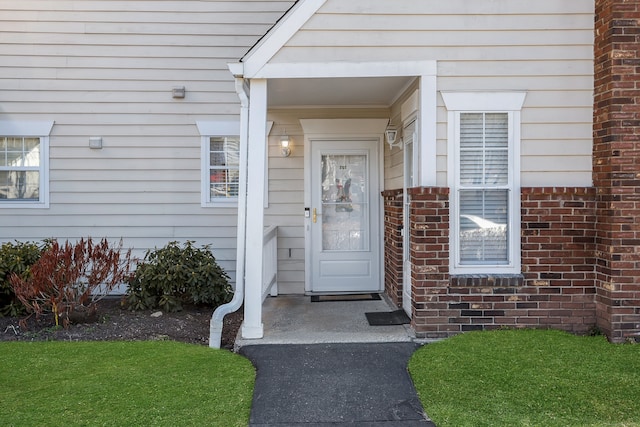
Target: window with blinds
[
  {"x": 484, "y": 186},
  {"x": 483, "y": 163},
  {"x": 224, "y": 167}
]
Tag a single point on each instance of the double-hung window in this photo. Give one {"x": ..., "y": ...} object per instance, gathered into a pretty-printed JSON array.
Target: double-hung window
[
  {"x": 24, "y": 159},
  {"x": 484, "y": 171},
  {"x": 223, "y": 167},
  {"x": 220, "y": 162}
]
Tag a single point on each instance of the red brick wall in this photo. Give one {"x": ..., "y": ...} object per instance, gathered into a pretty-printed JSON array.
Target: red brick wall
[
  {"x": 556, "y": 288},
  {"x": 616, "y": 167},
  {"x": 558, "y": 255},
  {"x": 429, "y": 239},
  {"x": 393, "y": 244}
]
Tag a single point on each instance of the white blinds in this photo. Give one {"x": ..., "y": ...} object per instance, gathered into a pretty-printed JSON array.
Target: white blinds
[{"x": 483, "y": 188}]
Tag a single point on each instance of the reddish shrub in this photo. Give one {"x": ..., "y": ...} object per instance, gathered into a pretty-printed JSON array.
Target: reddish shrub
[{"x": 72, "y": 278}]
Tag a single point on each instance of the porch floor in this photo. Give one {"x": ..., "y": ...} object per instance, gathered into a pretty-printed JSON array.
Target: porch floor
[{"x": 294, "y": 319}]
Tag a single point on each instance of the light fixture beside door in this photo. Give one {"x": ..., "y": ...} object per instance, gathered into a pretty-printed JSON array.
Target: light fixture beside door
[
  {"x": 393, "y": 137},
  {"x": 285, "y": 144}
]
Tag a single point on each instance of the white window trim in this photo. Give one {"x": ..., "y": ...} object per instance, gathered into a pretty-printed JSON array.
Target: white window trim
[
  {"x": 410, "y": 113},
  {"x": 32, "y": 129},
  {"x": 226, "y": 128},
  {"x": 207, "y": 130},
  {"x": 482, "y": 102}
]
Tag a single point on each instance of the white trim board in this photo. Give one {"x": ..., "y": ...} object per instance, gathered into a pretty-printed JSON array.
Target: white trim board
[
  {"x": 279, "y": 34},
  {"x": 342, "y": 127},
  {"x": 483, "y": 101},
  {"x": 341, "y": 69},
  {"x": 333, "y": 129},
  {"x": 26, "y": 128},
  {"x": 218, "y": 128}
]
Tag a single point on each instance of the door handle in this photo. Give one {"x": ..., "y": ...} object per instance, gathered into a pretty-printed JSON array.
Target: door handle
[{"x": 315, "y": 215}]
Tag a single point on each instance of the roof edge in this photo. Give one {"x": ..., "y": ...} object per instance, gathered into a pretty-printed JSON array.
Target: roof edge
[{"x": 279, "y": 34}]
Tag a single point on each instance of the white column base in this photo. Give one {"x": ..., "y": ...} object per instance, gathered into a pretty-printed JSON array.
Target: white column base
[{"x": 252, "y": 332}]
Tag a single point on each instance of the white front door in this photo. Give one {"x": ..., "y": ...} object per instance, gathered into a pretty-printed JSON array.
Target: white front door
[{"x": 345, "y": 216}]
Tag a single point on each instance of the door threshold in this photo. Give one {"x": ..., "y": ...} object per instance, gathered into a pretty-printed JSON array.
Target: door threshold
[{"x": 346, "y": 297}]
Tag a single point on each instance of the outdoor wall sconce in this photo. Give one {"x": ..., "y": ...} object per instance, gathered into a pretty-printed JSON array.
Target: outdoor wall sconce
[
  {"x": 285, "y": 143},
  {"x": 392, "y": 134}
]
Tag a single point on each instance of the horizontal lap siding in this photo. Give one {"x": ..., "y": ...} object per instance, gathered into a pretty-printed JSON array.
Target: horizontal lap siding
[
  {"x": 106, "y": 68},
  {"x": 544, "y": 48}
]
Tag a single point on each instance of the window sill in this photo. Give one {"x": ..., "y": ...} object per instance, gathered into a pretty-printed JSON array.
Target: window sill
[
  {"x": 486, "y": 280},
  {"x": 225, "y": 203},
  {"x": 24, "y": 205}
]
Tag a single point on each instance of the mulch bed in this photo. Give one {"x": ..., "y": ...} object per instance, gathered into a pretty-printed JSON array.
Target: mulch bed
[{"x": 115, "y": 322}]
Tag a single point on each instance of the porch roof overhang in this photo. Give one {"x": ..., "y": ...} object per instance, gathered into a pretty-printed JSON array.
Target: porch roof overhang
[{"x": 335, "y": 84}]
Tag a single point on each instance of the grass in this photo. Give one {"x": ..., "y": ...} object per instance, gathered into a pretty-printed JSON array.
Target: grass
[
  {"x": 159, "y": 383},
  {"x": 528, "y": 378}
]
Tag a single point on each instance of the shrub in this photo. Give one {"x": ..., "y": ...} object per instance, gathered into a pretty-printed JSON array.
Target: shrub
[
  {"x": 15, "y": 258},
  {"x": 72, "y": 277},
  {"x": 172, "y": 276}
]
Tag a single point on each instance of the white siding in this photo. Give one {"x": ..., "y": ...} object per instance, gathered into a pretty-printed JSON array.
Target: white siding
[
  {"x": 106, "y": 68},
  {"x": 544, "y": 48}
]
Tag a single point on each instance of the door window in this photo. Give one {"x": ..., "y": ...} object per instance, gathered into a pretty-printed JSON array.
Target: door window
[{"x": 344, "y": 202}]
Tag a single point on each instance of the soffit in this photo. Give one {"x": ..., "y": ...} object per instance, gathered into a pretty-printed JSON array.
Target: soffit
[{"x": 326, "y": 92}]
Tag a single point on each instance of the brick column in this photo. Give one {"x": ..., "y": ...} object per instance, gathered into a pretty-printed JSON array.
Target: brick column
[
  {"x": 429, "y": 238},
  {"x": 393, "y": 244},
  {"x": 616, "y": 167}
]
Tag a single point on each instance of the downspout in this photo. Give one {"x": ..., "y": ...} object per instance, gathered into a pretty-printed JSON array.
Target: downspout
[{"x": 217, "y": 319}]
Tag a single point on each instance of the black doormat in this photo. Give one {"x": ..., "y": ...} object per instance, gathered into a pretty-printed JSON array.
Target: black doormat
[
  {"x": 384, "y": 318},
  {"x": 349, "y": 297}
]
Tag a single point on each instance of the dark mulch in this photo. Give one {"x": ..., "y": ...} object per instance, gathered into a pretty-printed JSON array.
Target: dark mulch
[{"x": 115, "y": 322}]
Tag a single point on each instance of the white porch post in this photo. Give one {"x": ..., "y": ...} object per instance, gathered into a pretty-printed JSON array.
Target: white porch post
[
  {"x": 252, "y": 327},
  {"x": 428, "y": 120}
]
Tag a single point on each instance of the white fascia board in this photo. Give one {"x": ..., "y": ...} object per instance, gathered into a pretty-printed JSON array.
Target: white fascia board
[
  {"x": 280, "y": 34},
  {"x": 346, "y": 69}
]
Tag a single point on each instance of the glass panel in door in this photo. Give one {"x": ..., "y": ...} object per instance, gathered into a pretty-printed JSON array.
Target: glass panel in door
[{"x": 345, "y": 206}]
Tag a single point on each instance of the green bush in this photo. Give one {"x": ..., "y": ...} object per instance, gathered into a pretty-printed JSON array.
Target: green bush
[
  {"x": 172, "y": 276},
  {"x": 15, "y": 258}
]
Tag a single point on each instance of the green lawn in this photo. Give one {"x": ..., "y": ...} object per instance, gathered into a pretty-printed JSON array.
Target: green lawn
[
  {"x": 146, "y": 383},
  {"x": 528, "y": 378}
]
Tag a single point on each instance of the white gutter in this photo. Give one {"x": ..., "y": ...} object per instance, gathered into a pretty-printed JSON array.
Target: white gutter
[{"x": 216, "y": 324}]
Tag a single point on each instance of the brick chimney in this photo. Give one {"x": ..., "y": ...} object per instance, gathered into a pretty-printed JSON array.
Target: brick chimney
[{"x": 616, "y": 167}]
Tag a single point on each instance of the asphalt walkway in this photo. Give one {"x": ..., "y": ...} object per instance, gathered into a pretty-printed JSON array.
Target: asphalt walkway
[{"x": 359, "y": 384}]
